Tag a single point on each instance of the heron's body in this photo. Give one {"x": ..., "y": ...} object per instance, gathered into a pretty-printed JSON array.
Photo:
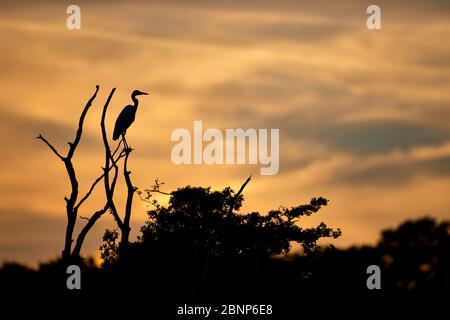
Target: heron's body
[
  {"x": 126, "y": 117},
  {"x": 124, "y": 121}
]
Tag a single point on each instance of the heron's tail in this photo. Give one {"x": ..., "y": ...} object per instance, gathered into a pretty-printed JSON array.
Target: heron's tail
[{"x": 116, "y": 135}]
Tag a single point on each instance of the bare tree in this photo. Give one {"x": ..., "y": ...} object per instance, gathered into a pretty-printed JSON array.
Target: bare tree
[{"x": 72, "y": 203}]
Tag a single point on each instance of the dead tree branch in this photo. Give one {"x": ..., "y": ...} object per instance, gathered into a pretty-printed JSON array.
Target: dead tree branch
[
  {"x": 71, "y": 209},
  {"x": 109, "y": 188},
  {"x": 121, "y": 155},
  {"x": 156, "y": 188},
  {"x": 129, "y": 202},
  {"x": 98, "y": 214},
  {"x": 50, "y": 146},
  {"x": 236, "y": 196},
  {"x": 82, "y": 235}
]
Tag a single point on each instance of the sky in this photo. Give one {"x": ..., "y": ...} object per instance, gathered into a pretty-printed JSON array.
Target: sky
[{"x": 363, "y": 114}]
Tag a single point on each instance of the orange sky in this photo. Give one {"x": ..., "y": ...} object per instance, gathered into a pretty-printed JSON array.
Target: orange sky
[{"x": 363, "y": 115}]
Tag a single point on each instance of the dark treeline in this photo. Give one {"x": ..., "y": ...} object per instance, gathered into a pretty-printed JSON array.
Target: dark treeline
[{"x": 201, "y": 248}]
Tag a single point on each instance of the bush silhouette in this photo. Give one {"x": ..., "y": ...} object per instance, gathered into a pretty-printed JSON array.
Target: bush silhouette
[
  {"x": 198, "y": 223},
  {"x": 200, "y": 238}
]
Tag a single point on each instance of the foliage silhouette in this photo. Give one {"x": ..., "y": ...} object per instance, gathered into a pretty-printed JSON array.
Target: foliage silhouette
[
  {"x": 194, "y": 248},
  {"x": 414, "y": 257},
  {"x": 202, "y": 272},
  {"x": 200, "y": 238},
  {"x": 197, "y": 223}
]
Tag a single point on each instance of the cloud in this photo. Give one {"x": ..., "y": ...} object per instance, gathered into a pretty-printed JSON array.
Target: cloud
[
  {"x": 397, "y": 174},
  {"x": 19, "y": 132},
  {"x": 395, "y": 167},
  {"x": 378, "y": 136}
]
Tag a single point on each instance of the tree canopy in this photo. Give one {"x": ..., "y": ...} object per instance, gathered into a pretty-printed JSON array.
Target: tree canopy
[{"x": 199, "y": 223}]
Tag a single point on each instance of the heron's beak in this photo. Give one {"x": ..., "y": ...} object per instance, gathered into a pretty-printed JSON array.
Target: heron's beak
[{"x": 143, "y": 93}]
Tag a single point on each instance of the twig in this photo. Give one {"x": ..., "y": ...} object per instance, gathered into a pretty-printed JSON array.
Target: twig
[
  {"x": 154, "y": 189},
  {"x": 50, "y": 146},
  {"x": 73, "y": 145},
  {"x": 233, "y": 202},
  {"x": 96, "y": 182},
  {"x": 157, "y": 188}
]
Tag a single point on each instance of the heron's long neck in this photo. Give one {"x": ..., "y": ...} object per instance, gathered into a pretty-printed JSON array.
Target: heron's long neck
[{"x": 135, "y": 101}]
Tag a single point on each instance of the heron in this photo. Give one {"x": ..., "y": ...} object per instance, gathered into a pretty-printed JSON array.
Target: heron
[{"x": 126, "y": 118}]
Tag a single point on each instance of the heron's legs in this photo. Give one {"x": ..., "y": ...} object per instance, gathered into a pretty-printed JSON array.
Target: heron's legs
[
  {"x": 125, "y": 144},
  {"x": 117, "y": 148}
]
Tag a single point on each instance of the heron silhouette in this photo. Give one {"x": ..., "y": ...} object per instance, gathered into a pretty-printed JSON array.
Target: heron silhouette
[{"x": 126, "y": 118}]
